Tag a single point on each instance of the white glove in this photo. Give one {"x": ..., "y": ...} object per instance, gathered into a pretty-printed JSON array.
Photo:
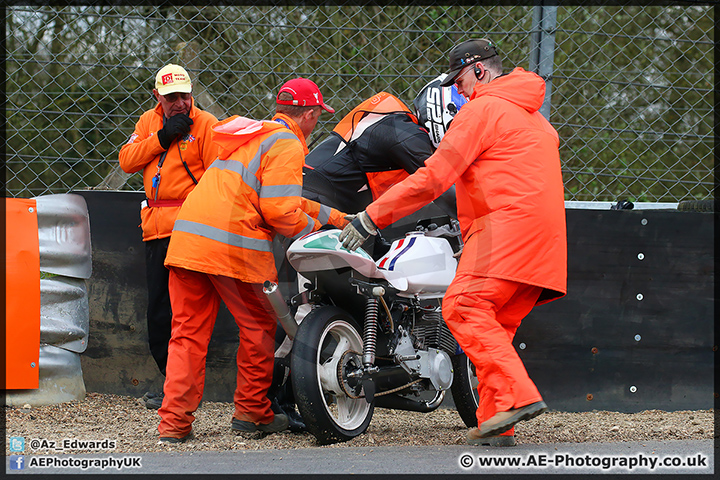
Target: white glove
[{"x": 357, "y": 231}]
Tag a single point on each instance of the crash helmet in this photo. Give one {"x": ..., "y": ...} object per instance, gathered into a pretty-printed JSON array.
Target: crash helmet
[{"x": 436, "y": 106}]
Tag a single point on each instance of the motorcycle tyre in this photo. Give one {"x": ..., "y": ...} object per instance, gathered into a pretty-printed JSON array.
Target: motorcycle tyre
[
  {"x": 464, "y": 390},
  {"x": 305, "y": 381}
]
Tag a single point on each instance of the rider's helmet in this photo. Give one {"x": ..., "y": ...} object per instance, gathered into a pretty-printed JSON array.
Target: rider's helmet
[{"x": 435, "y": 107}]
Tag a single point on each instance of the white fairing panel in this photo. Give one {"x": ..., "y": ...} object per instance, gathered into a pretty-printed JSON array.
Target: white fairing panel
[
  {"x": 415, "y": 265},
  {"x": 426, "y": 263},
  {"x": 322, "y": 250}
]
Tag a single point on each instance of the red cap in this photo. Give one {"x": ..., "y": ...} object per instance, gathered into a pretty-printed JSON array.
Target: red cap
[{"x": 304, "y": 92}]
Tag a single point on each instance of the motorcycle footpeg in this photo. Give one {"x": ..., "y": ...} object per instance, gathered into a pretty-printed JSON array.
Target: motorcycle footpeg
[{"x": 406, "y": 358}]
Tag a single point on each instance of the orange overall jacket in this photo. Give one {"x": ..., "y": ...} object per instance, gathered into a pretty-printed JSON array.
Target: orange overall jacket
[
  {"x": 143, "y": 152},
  {"x": 502, "y": 155},
  {"x": 227, "y": 223}
]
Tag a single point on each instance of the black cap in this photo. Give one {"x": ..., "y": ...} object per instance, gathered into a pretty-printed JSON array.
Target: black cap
[{"x": 464, "y": 54}]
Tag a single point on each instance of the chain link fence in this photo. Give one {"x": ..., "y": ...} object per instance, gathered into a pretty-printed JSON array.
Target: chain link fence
[{"x": 630, "y": 89}]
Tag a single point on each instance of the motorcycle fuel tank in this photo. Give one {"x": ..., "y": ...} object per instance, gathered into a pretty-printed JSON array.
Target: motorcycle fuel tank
[
  {"x": 415, "y": 265},
  {"x": 426, "y": 263}
]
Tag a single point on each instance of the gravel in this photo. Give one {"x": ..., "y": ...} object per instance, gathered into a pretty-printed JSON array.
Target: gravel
[{"x": 134, "y": 427}]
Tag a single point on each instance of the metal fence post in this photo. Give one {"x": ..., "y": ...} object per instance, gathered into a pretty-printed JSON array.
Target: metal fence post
[{"x": 542, "y": 49}]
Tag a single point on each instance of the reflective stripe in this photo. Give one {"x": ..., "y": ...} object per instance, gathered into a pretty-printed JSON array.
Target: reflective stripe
[
  {"x": 309, "y": 228},
  {"x": 248, "y": 173},
  {"x": 219, "y": 235},
  {"x": 235, "y": 166},
  {"x": 324, "y": 215},
  {"x": 272, "y": 191},
  {"x": 265, "y": 146}
]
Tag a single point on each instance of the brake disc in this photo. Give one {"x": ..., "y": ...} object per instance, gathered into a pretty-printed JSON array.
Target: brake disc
[{"x": 350, "y": 361}]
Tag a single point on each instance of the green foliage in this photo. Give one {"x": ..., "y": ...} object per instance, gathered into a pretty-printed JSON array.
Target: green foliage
[
  {"x": 632, "y": 101},
  {"x": 631, "y": 86}
]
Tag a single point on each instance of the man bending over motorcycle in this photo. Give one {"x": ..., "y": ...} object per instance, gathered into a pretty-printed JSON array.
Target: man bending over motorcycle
[{"x": 503, "y": 157}]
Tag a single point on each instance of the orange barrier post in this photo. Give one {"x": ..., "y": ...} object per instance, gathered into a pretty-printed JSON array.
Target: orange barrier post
[{"x": 22, "y": 294}]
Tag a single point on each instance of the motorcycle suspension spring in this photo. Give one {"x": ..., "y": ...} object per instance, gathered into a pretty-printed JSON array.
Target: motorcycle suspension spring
[{"x": 370, "y": 331}]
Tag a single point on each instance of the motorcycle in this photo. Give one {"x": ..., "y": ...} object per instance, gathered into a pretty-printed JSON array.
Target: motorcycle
[{"x": 374, "y": 336}]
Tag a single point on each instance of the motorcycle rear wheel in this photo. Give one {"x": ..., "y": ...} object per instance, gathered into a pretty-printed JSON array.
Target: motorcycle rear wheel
[
  {"x": 322, "y": 339},
  {"x": 464, "y": 389}
]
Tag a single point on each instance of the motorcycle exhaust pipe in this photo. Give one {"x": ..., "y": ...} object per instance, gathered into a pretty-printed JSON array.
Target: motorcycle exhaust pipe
[{"x": 286, "y": 319}]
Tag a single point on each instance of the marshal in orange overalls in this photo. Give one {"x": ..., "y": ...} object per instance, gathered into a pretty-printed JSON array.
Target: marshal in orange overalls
[
  {"x": 502, "y": 155},
  {"x": 221, "y": 248}
]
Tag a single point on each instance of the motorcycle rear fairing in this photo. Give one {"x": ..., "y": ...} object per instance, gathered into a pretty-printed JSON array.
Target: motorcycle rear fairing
[
  {"x": 417, "y": 265},
  {"x": 322, "y": 250}
]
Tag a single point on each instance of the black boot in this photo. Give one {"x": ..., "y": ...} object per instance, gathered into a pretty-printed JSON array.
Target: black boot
[
  {"x": 281, "y": 397},
  {"x": 286, "y": 401}
]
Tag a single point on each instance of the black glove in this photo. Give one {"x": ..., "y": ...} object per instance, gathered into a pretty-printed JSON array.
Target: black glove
[
  {"x": 622, "y": 205},
  {"x": 174, "y": 127}
]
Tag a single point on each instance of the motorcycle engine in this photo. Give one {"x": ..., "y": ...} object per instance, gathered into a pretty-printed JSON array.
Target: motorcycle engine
[
  {"x": 432, "y": 363},
  {"x": 437, "y": 366},
  {"x": 432, "y": 341},
  {"x": 430, "y": 331}
]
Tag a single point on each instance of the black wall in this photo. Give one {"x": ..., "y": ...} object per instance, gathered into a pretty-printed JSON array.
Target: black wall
[
  {"x": 589, "y": 349},
  {"x": 581, "y": 351}
]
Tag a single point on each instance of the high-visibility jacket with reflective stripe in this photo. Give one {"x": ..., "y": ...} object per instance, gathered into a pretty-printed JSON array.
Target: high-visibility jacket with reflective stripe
[
  {"x": 227, "y": 223},
  {"x": 143, "y": 152},
  {"x": 503, "y": 157}
]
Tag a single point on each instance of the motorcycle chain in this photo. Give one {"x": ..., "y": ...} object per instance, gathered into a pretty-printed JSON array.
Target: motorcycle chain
[{"x": 387, "y": 392}]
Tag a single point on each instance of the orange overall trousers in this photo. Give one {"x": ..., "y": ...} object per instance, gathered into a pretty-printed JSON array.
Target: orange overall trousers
[
  {"x": 195, "y": 299},
  {"x": 483, "y": 314}
]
